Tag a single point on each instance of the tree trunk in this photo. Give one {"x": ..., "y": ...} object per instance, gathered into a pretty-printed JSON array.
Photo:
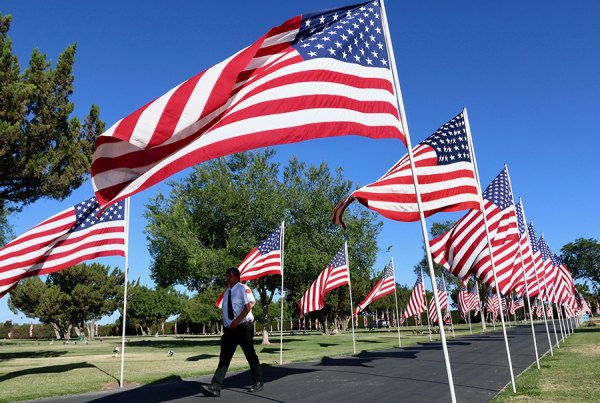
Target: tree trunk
[
  {"x": 77, "y": 330},
  {"x": 204, "y": 328},
  {"x": 56, "y": 331},
  {"x": 265, "y": 332}
]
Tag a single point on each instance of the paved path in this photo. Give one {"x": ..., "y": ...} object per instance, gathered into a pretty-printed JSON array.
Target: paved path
[{"x": 416, "y": 373}]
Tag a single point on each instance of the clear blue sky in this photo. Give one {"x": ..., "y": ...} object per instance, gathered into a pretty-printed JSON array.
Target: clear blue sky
[{"x": 527, "y": 71}]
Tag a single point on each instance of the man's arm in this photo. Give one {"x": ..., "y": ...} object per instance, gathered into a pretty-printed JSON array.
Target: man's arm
[{"x": 241, "y": 316}]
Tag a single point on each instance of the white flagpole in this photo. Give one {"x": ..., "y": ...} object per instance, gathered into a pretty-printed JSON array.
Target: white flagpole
[
  {"x": 481, "y": 315},
  {"x": 489, "y": 243},
  {"x": 426, "y": 307},
  {"x": 418, "y": 196},
  {"x": 127, "y": 205},
  {"x": 282, "y": 297},
  {"x": 448, "y": 308},
  {"x": 469, "y": 317},
  {"x": 351, "y": 306},
  {"x": 396, "y": 299}
]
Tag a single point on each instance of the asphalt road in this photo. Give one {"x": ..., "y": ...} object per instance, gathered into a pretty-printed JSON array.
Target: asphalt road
[{"x": 416, "y": 373}]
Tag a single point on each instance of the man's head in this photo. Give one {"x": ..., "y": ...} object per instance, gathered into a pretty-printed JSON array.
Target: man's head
[{"x": 232, "y": 276}]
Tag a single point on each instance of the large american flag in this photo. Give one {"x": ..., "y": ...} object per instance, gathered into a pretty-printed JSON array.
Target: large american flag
[
  {"x": 316, "y": 75},
  {"x": 445, "y": 173},
  {"x": 335, "y": 275},
  {"x": 463, "y": 250},
  {"x": 443, "y": 297},
  {"x": 474, "y": 300},
  {"x": 386, "y": 285},
  {"x": 63, "y": 240},
  {"x": 527, "y": 259},
  {"x": 417, "y": 302}
]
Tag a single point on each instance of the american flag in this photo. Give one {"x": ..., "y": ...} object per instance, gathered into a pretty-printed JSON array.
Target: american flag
[
  {"x": 550, "y": 270},
  {"x": 527, "y": 255},
  {"x": 582, "y": 303},
  {"x": 515, "y": 303},
  {"x": 416, "y": 303},
  {"x": 537, "y": 260},
  {"x": 443, "y": 297},
  {"x": 468, "y": 300},
  {"x": 316, "y": 75},
  {"x": 335, "y": 275},
  {"x": 63, "y": 240},
  {"x": 263, "y": 260},
  {"x": 445, "y": 173},
  {"x": 538, "y": 308},
  {"x": 491, "y": 302},
  {"x": 386, "y": 285},
  {"x": 462, "y": 297},
  {"x": 463, "y": 250}
]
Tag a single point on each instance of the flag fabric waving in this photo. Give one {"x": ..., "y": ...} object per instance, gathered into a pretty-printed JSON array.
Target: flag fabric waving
[
  {"x": 316, "y": 75},
  {"x": 537, "y": 260},
  {"x": 468, "y": 300},
  {"x": 462, "y": 297},
  {"x": 417, "y": 302},
  {"x": 263, "y": 260},
  {"x": 474, "y": 299},
  {"x": 335, "y": 275},
  {"x": 528, "y": 263},
  {"x": 384, "y": 286},
  {"x": 443, "y": 297},
  {"x": 515, "y": 304},
  {"x": 445, "y": 173},
  {"x": 63, "y": 240},
  {"x": 463, "y": 250}
]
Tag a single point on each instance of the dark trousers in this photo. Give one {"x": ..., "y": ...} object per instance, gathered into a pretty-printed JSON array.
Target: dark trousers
[{"x": 243, "y": 336}]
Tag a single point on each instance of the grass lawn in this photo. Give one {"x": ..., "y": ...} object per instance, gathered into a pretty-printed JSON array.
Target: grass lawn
[
  {"x": 35, "y": 369},
  {"x": 572, "y": 374}
]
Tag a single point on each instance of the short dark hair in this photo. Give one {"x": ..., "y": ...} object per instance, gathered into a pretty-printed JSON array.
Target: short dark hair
[{"x": 234, "y": 271}]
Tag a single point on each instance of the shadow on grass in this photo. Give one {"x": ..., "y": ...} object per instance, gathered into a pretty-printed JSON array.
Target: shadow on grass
[
  {"x": 272, "y": 350},
  {"x": 369, "y": 341},
  {"x": 161, "y": 344},
  {"x": 53, "y": 369},
  {"x": 328, "y": 344},
  {"x": 201, "y": 357},
  {"x": 31, "y": 354}
]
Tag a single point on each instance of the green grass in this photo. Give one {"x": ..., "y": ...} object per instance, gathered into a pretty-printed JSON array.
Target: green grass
[
  {"x": 570, "y": 375},
  {"x": 36, "y": 369}
]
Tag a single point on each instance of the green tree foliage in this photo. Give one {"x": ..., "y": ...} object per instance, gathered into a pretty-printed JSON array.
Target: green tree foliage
[
  {"x": 225, "y": 207},
  {"x": 201, "y": 309},
  {"x": 148, "y": 308},
  {"x": 44, "y": 152},
  {"x": 582, "y": 257},
  {"x": 72, "y": 297}
]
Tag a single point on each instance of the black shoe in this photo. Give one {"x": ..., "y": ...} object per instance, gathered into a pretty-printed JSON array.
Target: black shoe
[
  {"x": 212, "y": 390},
  {"x": 258, "y": 386}
]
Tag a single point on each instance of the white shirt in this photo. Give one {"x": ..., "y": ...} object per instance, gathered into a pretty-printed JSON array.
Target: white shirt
[{"x": 240, "y": 296}]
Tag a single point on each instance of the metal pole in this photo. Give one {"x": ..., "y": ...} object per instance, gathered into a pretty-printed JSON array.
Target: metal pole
[
  {"x": 426, "y": 308},
  {"x": 448, "y": 308},
  {"x": 418, "y": 197},
  {"x": 489, "y": 243},
  {"x": 351, "y": 306},
  {"x": 127, "y": 205},
  {"x": 481, "y": 315},
  {"x": 282, "y": 297},
  {"x": 396, "y": 299}
]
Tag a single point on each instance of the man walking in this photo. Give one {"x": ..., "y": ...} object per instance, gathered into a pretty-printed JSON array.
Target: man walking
[{"x": 238, "y": 330}]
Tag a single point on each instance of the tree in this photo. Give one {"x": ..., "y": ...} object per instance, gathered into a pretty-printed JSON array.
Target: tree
[
  {"x": 582, "y": 257},
  {"x": 201, "y": 309},
  {"x": 70, "y": 298},
  {"x": 43, "y": 151},
  {"x": 148, "y": 308},
  {"x": 226, "y": 207}
]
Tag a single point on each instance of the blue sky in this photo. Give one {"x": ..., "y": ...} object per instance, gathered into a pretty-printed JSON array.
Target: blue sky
[{"x": 526, "y": 71}]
